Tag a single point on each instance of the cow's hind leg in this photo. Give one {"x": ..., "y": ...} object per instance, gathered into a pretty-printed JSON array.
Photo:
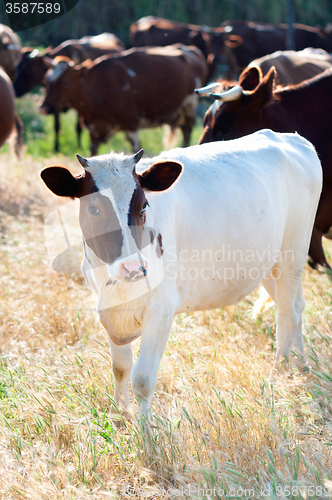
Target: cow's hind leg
[
  {"x": 290, "y": 304},
  {"x": 56, "y": 131},
  {"x": 122, "y": 363},
  {"x": 186, "y": 130},
  {"x": 317, "y": 258}
]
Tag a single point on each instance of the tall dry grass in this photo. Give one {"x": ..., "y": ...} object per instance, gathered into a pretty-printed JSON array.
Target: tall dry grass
[{"x": 219, "y": 430}]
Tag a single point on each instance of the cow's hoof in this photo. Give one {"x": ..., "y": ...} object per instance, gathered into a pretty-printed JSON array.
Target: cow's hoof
[
  {"x": 321, "y": 268},
  {"x": 121, "y": 417}
]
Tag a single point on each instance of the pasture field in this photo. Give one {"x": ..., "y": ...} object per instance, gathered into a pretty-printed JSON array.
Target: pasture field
[{"x": 219, "y": 430}]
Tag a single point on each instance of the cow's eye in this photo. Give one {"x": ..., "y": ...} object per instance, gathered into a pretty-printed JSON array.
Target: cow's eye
[
  {"x": 141, "y": 214},
  {"x": 94, "y": 210}
]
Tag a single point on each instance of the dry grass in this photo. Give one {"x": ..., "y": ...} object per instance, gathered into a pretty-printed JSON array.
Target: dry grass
[{"x": 217, "y": 422}]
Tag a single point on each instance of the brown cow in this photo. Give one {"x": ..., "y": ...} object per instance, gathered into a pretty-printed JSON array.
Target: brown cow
[
  {"x": 303, "y": 108},
  {"x": 292, "y": 68},
  {"x": 142, "y": 87},
  {"x": 155, "y": 31},
  {"x": 295, "y": 67},
  {"x": 9, "y": 118},
  {"x": 10, "y": 50},
  {"x": 261, "y": 39},
  {"x": 34, "y": 65}
]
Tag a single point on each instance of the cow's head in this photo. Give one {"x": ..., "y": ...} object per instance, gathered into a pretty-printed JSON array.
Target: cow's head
[
  {"x": 59, "y": 81},
  {"x": 30, "y": 71},
  {"x": 238, "y": 111},
  {"x": 221, "y": 38},
  {"x": 114, "y": 216}
]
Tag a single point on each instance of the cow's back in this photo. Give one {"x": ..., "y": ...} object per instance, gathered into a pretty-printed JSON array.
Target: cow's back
[
  {"x": 149, "y": 83},
  {"x": 7, "y": 106},
  {"x": 236, "y": 206},
  {"x": 294, "y": 67},
  {"x": 158, "y": 32},
  {"x": 9, "y": 57},
  {"x": 88, "y": 47}
]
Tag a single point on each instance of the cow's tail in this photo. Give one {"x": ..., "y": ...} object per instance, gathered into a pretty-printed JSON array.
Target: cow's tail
[
  {"x": 16, "y": 138},
  {"x": 171, "y": 136}
]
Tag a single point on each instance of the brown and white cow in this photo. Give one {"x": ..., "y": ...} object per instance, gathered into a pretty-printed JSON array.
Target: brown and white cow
[
  {"x": 303, "y": 108},
  {"x": 34, "y": 64},
  {"x": 193, "y": 229},
  {"x": 143, "y": 87},
  {"x": 10, "y": 120}
]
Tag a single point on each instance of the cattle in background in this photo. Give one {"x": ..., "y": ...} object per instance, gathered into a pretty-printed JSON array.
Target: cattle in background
[
  {"x": 303, "y": 108},
  {"x": 259, "y": 40},
  {"x": 227, "y": 217},
  {"x": 10, "y": 50},
  {"x": 10, "y": 120},
  {"x": 32, "y": 68},
  {"x": 143, "y": 87},
  {"x": 155, "y": 31},
  {"x": 292, "y": 68}
]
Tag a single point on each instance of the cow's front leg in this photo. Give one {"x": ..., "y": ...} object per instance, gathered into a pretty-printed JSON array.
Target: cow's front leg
[
  {"x": 122, "y": 363},
  {"x": 155, "y": 332}
]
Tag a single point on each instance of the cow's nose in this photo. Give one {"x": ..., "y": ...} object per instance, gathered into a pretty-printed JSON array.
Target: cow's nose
[{"x": 133, "y": 271}]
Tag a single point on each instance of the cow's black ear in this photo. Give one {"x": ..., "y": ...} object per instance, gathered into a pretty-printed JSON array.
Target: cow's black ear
[
  {"x": 250, "y": 78},
  {"x": 264, "y": 91},
  {"x": 160, "y": 176},
  {"x": 60, "y": 181}
]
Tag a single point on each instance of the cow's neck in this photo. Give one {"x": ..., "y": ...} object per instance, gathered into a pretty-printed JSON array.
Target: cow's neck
[{"x": 73, "y": 92}]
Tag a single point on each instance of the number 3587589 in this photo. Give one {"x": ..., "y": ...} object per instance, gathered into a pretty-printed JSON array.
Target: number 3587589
[{"x": 30, "y": 8}]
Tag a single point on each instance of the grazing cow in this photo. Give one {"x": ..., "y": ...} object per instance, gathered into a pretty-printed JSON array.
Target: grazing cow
[
  {"x": 193, "y": 229},
  {"x": 10, "y": 50},
  {"x": 259, "y": 40},
  {"x": 155, "y": 31},
  {"x": 143, "y": 87},
  {"x": 302, "y": 108},
  {"x": 32, "y": 68},
  {"x": 9, "y": 117}
]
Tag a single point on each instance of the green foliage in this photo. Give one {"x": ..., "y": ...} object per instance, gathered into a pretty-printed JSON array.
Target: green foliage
[{"x": 90, "y": 18}]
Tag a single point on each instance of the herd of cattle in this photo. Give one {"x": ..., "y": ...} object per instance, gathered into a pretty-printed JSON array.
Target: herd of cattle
[
  {"x": 271, "y": 183},
  {"x": 154, "y": 83}
]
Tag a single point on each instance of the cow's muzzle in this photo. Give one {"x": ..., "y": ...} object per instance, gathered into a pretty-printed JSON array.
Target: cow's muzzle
[{"x": 133, "y": 271}]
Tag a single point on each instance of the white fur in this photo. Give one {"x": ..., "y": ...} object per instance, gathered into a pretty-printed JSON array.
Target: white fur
[{"x": 254, "y": 197}]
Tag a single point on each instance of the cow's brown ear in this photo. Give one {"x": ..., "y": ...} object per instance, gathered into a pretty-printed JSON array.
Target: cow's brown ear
[
  {"x": 250, "y": 78},
  {"x": 264, "y": 91},
  {"x": 160, "y": 176},
  {"x": 60, "y": 181}
]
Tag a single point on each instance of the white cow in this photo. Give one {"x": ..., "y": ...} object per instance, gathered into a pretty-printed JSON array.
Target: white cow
[{"x": 193, "y": 229}]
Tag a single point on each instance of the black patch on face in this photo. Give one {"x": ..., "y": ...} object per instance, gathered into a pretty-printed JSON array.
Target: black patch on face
[
  {"x": 160, "y": 249},
  {"x": 136, "y": 215},
  {"x": 100, "y": 227}
]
